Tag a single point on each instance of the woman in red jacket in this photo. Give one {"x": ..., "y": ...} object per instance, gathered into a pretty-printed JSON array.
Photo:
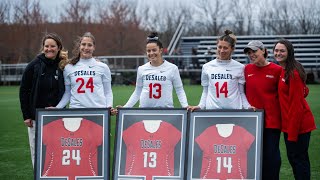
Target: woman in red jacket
[{"x": 297, "y": 118}]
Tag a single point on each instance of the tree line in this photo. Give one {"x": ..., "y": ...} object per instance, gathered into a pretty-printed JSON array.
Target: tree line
[{"x": 121, "y": 26}]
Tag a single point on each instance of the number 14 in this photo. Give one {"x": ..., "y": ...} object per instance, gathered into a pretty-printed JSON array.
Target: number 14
[{"x": 221, "y": 90}]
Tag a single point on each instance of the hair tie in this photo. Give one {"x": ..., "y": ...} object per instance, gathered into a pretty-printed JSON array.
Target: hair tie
[{"x": 153, "y": 38}]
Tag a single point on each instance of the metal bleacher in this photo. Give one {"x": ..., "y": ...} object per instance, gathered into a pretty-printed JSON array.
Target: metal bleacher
[
  {"x": 307, "y": 47},
  {"x": 123, "y": 68}
]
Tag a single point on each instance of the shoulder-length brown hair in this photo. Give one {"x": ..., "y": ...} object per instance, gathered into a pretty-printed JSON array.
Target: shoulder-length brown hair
[{"x": 291, "y": 63}]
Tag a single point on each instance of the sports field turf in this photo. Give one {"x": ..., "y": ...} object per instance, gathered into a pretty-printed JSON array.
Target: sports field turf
[{"x": 15, "y": 162}]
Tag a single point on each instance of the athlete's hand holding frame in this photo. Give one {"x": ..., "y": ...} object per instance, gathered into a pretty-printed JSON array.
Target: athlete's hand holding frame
[
  {"x": 225, "y": 144},
  {"x": 150, "y": 144},
  {"x": 72, "y": 144}
]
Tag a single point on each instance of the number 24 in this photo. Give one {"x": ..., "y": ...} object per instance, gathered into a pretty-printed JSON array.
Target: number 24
[
  {"x": 73, "y": 155},
  {"x": 89, "y": 85}
]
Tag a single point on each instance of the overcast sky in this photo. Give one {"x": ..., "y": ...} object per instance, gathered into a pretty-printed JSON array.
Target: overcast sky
[
  {"x": 54, "y": 8},
  {"x": 51, "y": 5}
]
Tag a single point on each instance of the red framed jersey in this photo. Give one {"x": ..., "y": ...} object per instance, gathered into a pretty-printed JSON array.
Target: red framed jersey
[
  {"x": 150, "y": 154},
  {"x": 70, "y": 153},
  {"x": 224, "y": 157}
]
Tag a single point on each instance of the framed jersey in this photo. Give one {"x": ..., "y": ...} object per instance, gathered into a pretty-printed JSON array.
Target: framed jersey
[
  {"x": 150, "y": 144},
  {"x": 225, "y": 144},
  {"x": 72, "y": 144}
]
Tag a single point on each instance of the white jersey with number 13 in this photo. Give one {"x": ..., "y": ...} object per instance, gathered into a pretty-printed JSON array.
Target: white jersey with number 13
[{"x": 157, "y": 84}]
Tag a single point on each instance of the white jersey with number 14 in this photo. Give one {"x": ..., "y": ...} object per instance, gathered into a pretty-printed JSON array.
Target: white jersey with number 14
[{"x": 222, "y": 78}]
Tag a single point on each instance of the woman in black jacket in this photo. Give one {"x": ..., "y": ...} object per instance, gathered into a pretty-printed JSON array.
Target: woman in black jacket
[{"x": 42, "y": 83}]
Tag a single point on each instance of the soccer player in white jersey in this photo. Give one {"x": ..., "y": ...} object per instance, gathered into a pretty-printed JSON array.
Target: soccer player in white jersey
[
  {"x": 156, "y": 79},
  {"x": 223, "y": 79},
  {"x": 87, "y": 81}
]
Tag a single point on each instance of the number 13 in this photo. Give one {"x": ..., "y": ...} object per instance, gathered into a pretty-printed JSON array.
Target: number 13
[
  {"x": 149, "y": 160},
  {"x": 157, "y": 88}
]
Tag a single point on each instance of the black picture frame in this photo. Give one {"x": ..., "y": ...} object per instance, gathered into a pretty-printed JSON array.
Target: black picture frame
[
  {"x": 225, "y": 144},
  {"x": 72, "y": 144},
  {"x": 150, "y": 144}
]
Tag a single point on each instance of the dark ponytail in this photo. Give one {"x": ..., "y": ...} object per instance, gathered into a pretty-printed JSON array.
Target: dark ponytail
[{"x": 154, "y": 38}]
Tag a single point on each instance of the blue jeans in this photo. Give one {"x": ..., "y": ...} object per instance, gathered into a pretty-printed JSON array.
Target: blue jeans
[
  {"x": 298, "y": 156},
  {"x": 271, "y": 154}
]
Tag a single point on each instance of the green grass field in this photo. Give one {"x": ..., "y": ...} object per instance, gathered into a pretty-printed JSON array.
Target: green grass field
[{"x": 15, "y": 161}]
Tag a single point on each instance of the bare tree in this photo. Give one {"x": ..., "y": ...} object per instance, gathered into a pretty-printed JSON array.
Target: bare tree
[
  {"x": 277, "y": 19},
  {"x": 212, "y": 16},
  {"x": 77, "y": 11},
  {"x": 5, "y": 44},
  {"x": 174, "y": 16},
  {"x": 28, "y": 17},
  {"x": 165, "y": 20},
  {"x": 4, "y": 12},
  {"x": 122, "y": 27},
  {"x": 76, "y": 17},
  {"x": 262, "y": 19},
  {"x": 29, "y": 12},
  {"x": 241, "y": 22},
  {"x": 307, "y": 17}
]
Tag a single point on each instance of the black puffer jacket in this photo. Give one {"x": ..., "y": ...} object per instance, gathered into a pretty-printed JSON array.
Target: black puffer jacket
[{"x": 42, "y": 85}]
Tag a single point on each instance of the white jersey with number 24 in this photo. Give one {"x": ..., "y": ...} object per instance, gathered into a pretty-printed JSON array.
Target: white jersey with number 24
[{"x": 86, "y": 78}]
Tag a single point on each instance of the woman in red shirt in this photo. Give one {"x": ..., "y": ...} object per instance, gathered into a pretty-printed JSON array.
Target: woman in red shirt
[
  {"x": 265, "y": 96},
  {"x": 297, "y": 119}
]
